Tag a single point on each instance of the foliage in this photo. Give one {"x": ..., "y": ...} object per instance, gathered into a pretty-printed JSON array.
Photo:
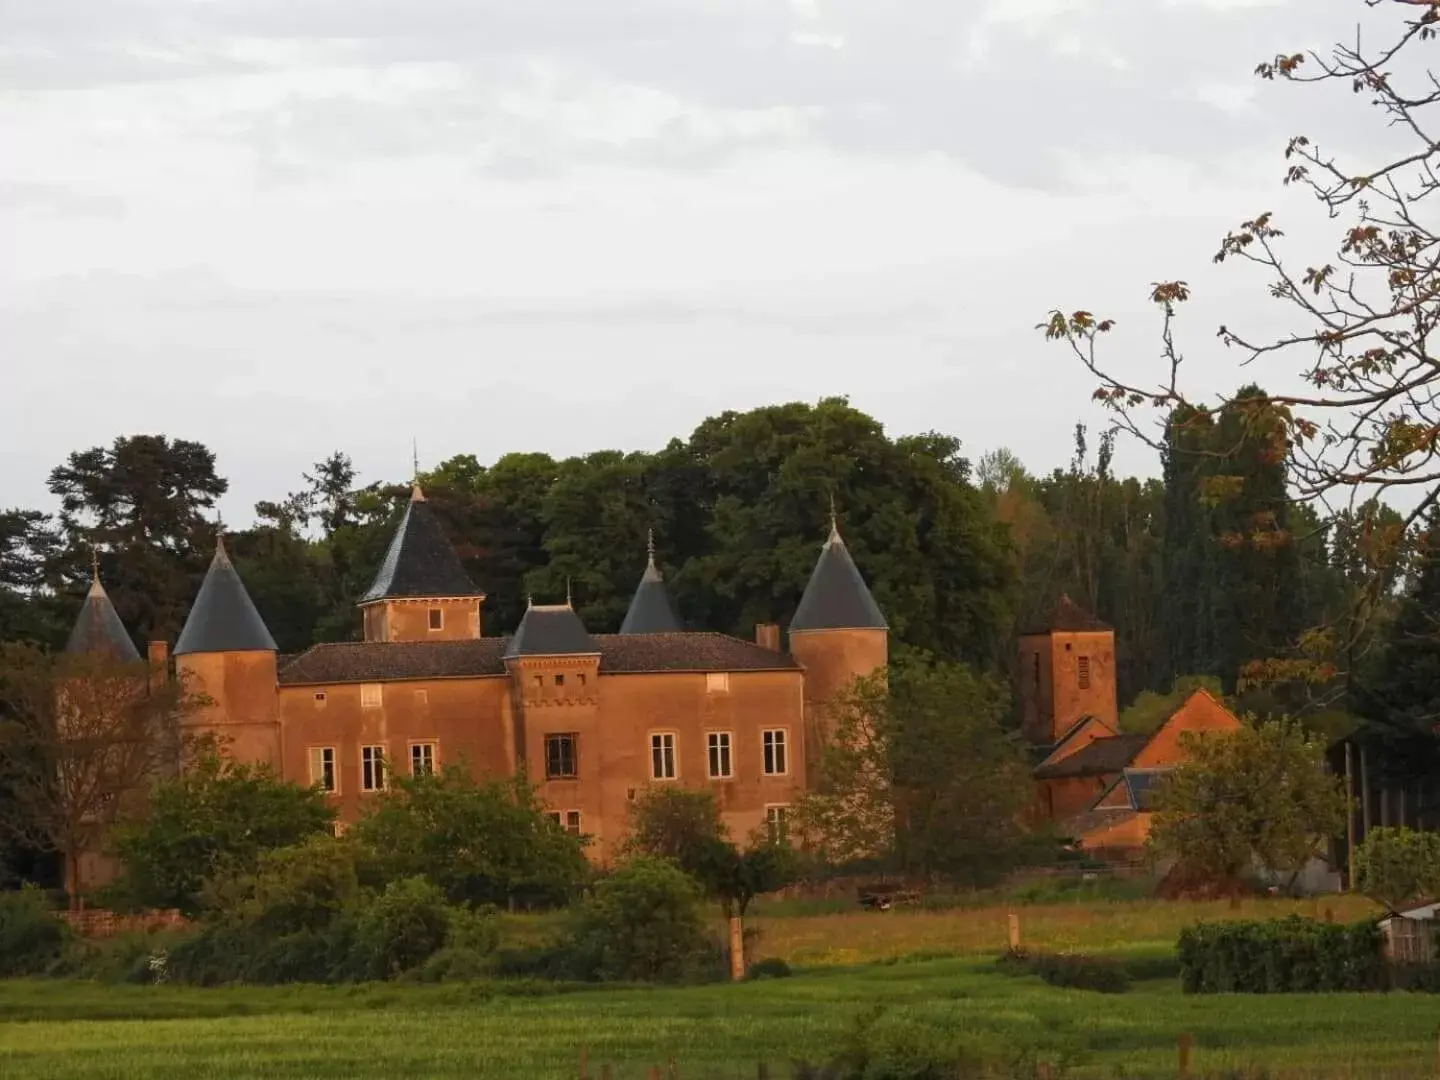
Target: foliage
[
  {"x": 218, "y": 815},
  {"x": 1260, "y": 795},
  {"x": 31, "y": 937},
  {"x": 1283, "y": 956},
  {"x": 482, "y": 841},
  {"x": 685, "y": 826},
  {"x": 772, "y": 967},
  {"x": 1150, "y": 710},
  {"x": 82, "y": 737},
  {"x": 402, "y": 927},
  {"x": 289, "y": 890},
  {"x": 1103, "y": 974},
  {"x": 644, "y": 923},
  {"x": 918, "y": 769},
  {"x": 1396, "y": 866}
]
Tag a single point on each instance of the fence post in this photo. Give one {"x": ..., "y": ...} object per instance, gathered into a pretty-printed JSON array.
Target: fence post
[
  {"x": 737, "y": 948},
  {"x": 1187, "y": 1042},
  {"x": 1014, "y": 931},
  {"x": 584, "y": 1063}
]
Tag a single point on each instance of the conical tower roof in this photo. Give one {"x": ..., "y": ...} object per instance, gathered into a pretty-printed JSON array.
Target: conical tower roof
[
  {"x": 99, "y": 630},
  {"x": 223, "y": 617},
  {"x": 650, "y": 609},
  {"x": 836, "y": 597},
  {"x": 420, "y": 562}
]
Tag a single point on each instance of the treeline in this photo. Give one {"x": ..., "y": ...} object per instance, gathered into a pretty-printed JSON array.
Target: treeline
[{"x": 1204, "y": 570}]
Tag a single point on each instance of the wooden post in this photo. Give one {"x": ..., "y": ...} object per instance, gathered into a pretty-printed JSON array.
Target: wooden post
[
  {"x": 584, "y": 1063},
  {"x": 1329, "y": 914},
  {"x": 1014, "y": 931},
  {"x": 1043, "y": 1071},
  {"x": 1187, "y": 1042},
  {"x": 1350, "y": 816},
  {"x": 737, "y": 948}
]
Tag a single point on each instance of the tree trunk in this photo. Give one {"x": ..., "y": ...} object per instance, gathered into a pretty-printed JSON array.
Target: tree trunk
[
  {"x": 72, "y": 879},
  {"x": 737, "y": 948}
]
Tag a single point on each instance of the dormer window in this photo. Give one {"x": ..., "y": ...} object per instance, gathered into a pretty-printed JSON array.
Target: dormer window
[{"x": 437, "y": 619}]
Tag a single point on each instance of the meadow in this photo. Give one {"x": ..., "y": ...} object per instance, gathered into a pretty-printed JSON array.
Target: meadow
[{"x": 932, "y": 972}]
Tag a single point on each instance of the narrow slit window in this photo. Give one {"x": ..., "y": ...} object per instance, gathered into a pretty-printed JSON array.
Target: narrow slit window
[
  {"x": 1082, "y": 672},
  {"x": 437, "y": 619}
]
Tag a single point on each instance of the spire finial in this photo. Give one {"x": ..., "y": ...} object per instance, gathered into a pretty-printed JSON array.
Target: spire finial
[
  {"x": 569, "y": 602},
  {"x": 94, "y": 563},
  {"x": 416, "y": 494},
  {"x": 220, "y": 536},
  {"x": 834, "y": 522},
  {"x": 529, "y": 600},
  {"x": 650, "y": 546}
]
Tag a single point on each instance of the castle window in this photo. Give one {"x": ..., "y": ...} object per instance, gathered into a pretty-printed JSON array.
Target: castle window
[
  {"x": 561, "y": 759},
  {"x": 1083, "y": 672},
  {"x": 370, "y": 697},
  {"x": 777, "y": 823},
  {"x": 719, "y": 748},
  {"x": 372, "y": 768},
  {"x": 777, "y": 758},
  {"x": 539, "y": 682},
  {"x": 581, "y": 678},
  {"x": 422, "y": 759},
  {"x": 320, "y": 700},
  {"x": 559, "y": 680},
  {"x": 662, "y": 756},
  {"x": 322, "y": 768},
  {"x": 437, "y": 619},
  {"x": 717, "y": 682},
  {"x": 569, "y": 820}
]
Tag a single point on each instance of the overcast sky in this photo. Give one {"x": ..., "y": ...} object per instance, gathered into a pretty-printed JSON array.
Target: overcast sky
[{"x": 283, "y": 227}]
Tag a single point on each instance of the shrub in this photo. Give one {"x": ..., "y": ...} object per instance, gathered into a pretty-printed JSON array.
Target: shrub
[
  {"x": 290, "y": 889},
  {"x": 1074, "y": 972},
  {"x": 643, "y": 923},
  {"x": 772, "y": 967},
  {"x": 1293, "y": 955},
  {"x": 32, "y": 937},
  {"x": 402, "y": 927}
]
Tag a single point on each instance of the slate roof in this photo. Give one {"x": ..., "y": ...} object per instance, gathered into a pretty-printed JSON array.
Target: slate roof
[
  {"x": 550, "y": 630},
  {"x": 836, "y": 596},
  {"x": 223, "y": 617},
  {"x": 420, "y": 562},
  {"x": 1068, "y": 618},
  {"x": 620, "y": 654},
  {"x": 651, "y": 611},
  {"x": 98, "y": 628},
  {"x": 1107, "y": 755}
]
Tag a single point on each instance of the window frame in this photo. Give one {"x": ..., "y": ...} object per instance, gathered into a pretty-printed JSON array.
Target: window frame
[
  {"x": 768, "y": 747},
  {"x": 574, "y": 740},
  {"x": 435, "y": 619},
  {"x": 317, "y": 756},
  {"x": 373, "y": 765},
  {"x": 420, "y": 744},
  {"x": 720, "y": 744},
  {"x": 717, "y": 682},
  {"x": 372, "y": 695},
  {"x": 658, "y": 749},
  {"x": 777, "y": 822},
  {"x": 1082, "y": 672}
]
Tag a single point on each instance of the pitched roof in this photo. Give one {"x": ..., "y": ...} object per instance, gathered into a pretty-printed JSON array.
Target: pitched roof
[
  {"x": 1068, "y": 618},
  {"x": 650, "y": 609},
  {"x": 98, "y": 628},
  {"x": 836, "y": 596},
  {"x": 223, "y": 617},
  {"x": 1106, "y": 755},
  {"x": 420, "y": 561},
  {"x": 550, "y": 630},
  {"x": 620, "y": 654},
  {"x": 1134, "y": 790}
]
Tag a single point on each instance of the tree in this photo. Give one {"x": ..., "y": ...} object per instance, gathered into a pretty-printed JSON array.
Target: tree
[
  {"x": 1260, "y": 796},
  {"x": 1395, "y": 866},
  {"x": 643, "y": 922},
  {"x": 481, "y": 841},
  {"x": 1366, "y": 420},
  {"x": 1150, "y": 710},
  {"x": 27, "y": 541},
  {"x": 219, "y": 816},
  {"x": 82, "y": 738},
  {"x": 142, "y": 502},
  {"x": 919, "y": 771}
]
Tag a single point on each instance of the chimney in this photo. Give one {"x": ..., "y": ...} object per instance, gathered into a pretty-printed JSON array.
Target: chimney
[
  {"x": 767, "y": 636},
  {"x": 158, "y": 655}
]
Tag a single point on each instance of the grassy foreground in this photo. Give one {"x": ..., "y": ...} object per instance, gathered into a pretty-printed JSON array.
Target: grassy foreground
[{"x": 63, "y": 1029}]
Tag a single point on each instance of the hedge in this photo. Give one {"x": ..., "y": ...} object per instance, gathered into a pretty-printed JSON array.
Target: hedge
[{"x": 1283, "y": 956}]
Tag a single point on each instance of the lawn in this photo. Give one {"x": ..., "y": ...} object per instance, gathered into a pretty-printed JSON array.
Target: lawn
[{"x": 65, "y": 1029}]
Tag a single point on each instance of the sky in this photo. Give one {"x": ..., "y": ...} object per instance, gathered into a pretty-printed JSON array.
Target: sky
[{"x": 286, "y": 227}]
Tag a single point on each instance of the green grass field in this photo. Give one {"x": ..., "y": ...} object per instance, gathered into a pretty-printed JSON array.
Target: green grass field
[{"x": 56, "y": 1029}]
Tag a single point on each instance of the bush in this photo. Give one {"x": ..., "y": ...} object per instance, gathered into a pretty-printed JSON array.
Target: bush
[
  {"x": 1293, "y": 955},
  {"x": 643, "y": 923},
  {"x": 32, "y": 937},
  {"x": 402, "y": 927},
  {"x": 772, "y": 967},
  {"x": 1100, "y": 974}
]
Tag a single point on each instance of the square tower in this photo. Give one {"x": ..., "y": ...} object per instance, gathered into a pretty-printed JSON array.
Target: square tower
[{"x": 1067, "y": 672}]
